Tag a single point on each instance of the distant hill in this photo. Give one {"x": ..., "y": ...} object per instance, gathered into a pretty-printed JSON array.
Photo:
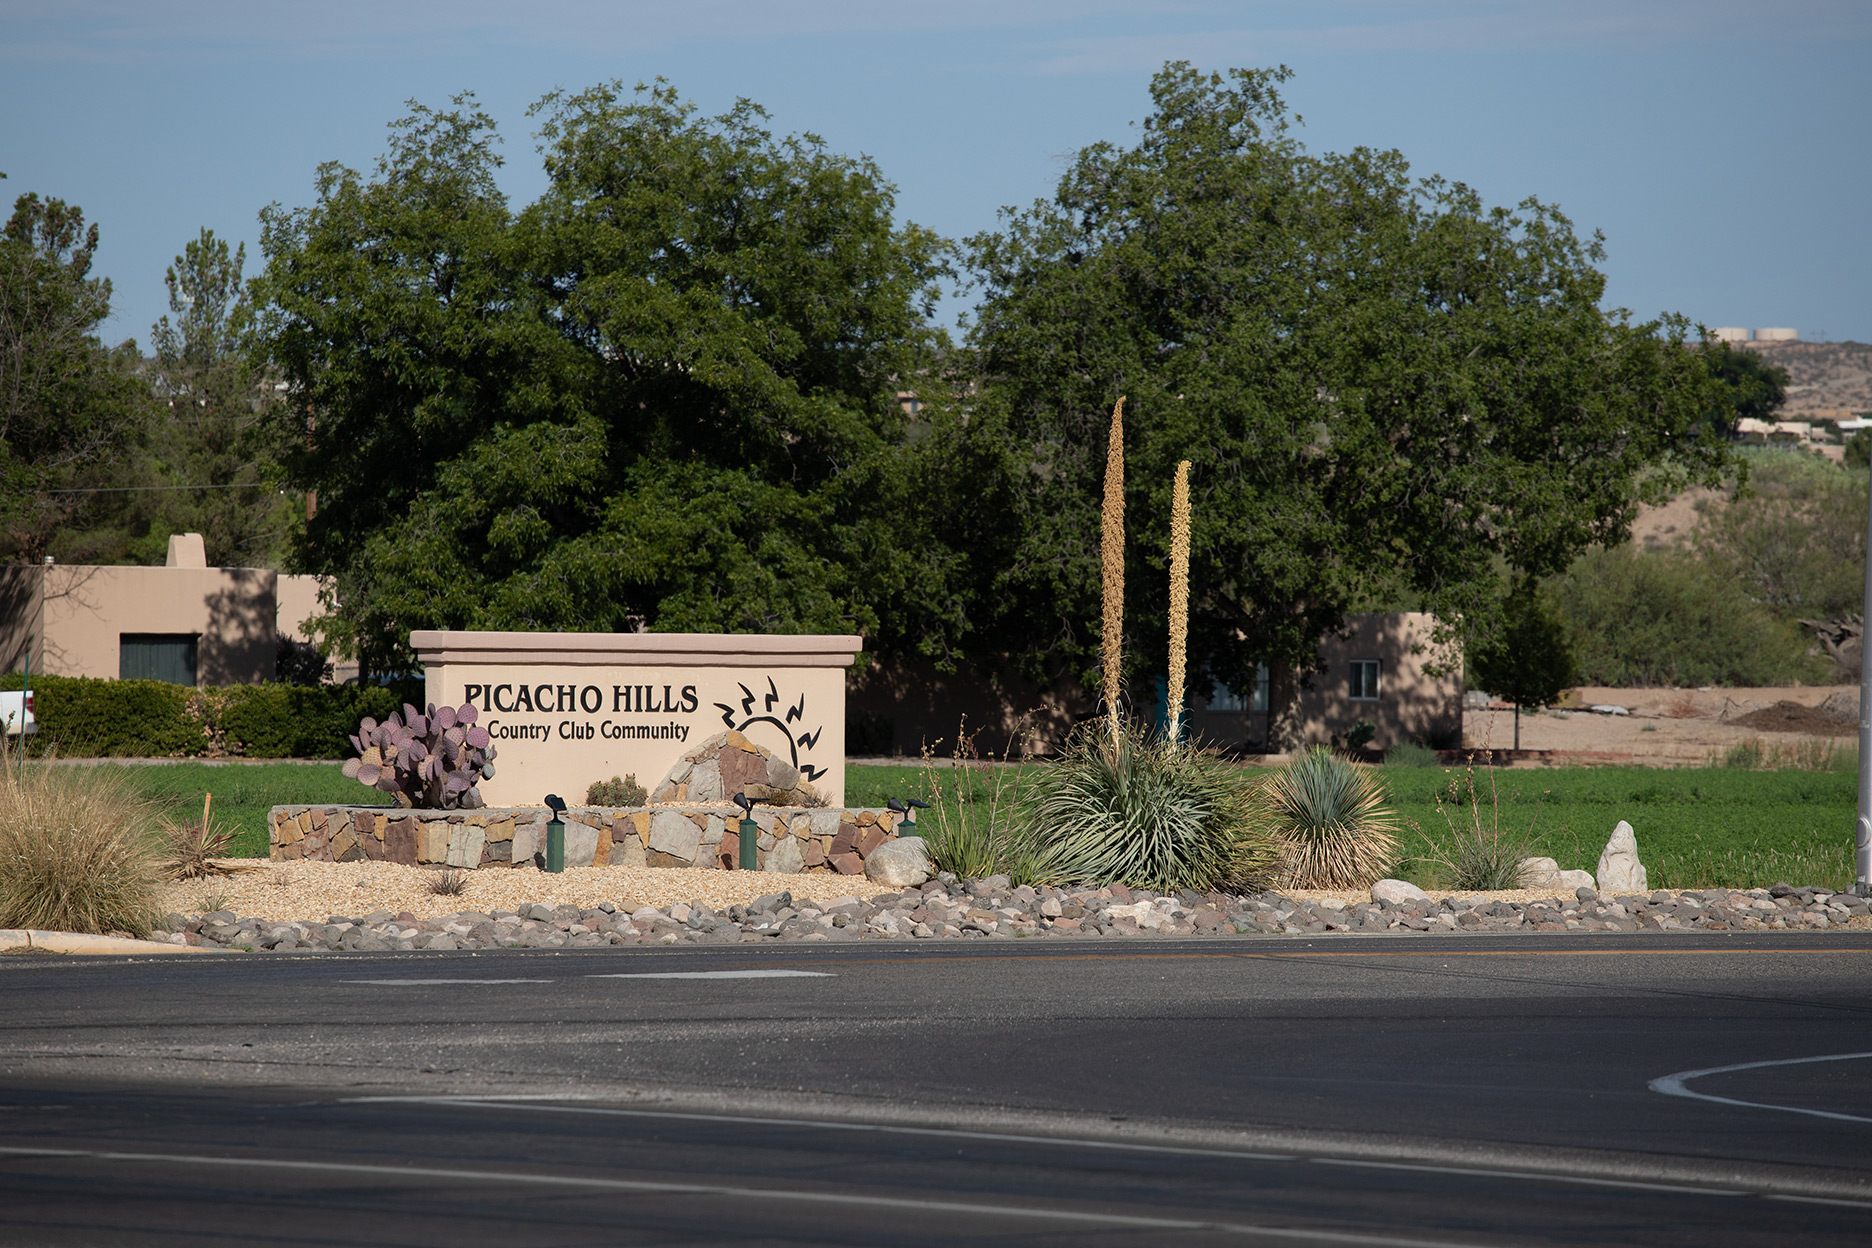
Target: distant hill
[{"x": 1825, "y": 377}]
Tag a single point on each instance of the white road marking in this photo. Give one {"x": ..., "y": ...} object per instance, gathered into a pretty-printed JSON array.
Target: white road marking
[
  {"x": 776, "y": 974},
  {"x": 524, "y": 1101},
  {"x": 1675, "y": 1085},
  {"x": 405, "y": 983},
  {"x": 529, "y": 1101},
  {"x": 787, "y": 1195},
  {"x": 1528, "y": 1174}
]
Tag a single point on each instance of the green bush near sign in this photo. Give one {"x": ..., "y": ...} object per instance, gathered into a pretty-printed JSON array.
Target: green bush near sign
[{"x": 86, "y": 717}]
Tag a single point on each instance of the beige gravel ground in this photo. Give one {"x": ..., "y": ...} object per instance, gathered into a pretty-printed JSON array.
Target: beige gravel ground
[
  {"x": 315, "y": 890},
  {"x": 1662, "y": 727}
]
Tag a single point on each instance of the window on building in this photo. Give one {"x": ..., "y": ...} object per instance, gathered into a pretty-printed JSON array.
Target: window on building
[
  {"x": 157, "y": 656},
  {"x": 1227, "y": 699},
  {"x": 1364, "y": 682}
]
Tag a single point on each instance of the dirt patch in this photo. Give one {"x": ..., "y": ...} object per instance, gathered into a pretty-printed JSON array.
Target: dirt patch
[{"x": 1813, "y": 721}]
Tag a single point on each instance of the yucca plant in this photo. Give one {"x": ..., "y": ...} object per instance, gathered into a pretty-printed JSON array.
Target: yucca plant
[
  {"x": 1332, "y": 822},
  {"x": 190, "y": 848},
  {"x": 1147, "y": 812},
  {"x": 76, "y": 850}
]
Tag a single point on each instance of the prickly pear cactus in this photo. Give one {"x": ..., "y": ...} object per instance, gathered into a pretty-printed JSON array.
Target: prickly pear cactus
[{"x": 432, "y": 759}]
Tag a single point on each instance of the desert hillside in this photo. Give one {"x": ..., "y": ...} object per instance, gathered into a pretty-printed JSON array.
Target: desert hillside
[{"x": 1829, "y": 377}]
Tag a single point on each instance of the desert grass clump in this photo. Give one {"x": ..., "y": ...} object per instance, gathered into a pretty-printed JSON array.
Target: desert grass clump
[
  {"x": 1331, "y": 821},
  {"x": 1484, "y": 856},
  {"x": 448, "y": 882},
  {"x": 1147, "y": 812},
  {"x": 76, "y": 850},
  {"x": 970, "y": 827}
]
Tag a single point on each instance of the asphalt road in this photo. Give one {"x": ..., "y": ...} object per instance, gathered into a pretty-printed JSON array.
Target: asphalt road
[{"x": 1522, "y": 1090}]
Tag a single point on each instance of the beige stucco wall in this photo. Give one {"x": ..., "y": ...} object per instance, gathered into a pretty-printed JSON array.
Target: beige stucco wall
[
  {"x": 785, "y": 693},
  {"x": 297, "y": 600},
  {"x": 1412, "y": 705},
  {"x": 70, "y": 616}
]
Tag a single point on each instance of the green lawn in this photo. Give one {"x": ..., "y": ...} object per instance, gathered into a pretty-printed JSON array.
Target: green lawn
[
  {"x": 1696, "y": 826},
  {"x": 243, "y": 792}
]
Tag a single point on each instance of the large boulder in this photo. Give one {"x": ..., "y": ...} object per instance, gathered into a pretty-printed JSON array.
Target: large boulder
[
  {"x": 728, "y": 763},
  {"x": 902, "y": 863},
  {"x": 1397, "y": 892},
  {"x": 1620, "y": 870},
  {"x": 1546, "y": 873},
  {"x": 787, "y": 856}
]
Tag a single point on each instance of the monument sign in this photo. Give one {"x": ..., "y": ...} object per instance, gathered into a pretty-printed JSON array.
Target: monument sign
[{"x": 568, "y": 709}]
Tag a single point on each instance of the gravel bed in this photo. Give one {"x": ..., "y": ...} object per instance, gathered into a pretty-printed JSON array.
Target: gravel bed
[{"x": 983, "y": 909}]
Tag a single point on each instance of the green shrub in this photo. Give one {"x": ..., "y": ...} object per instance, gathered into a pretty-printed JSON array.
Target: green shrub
[
  {"x": 1148, "y": 813},
  {"x": 1661, "y": 618},
  {"x": 1331, "y": 822},
  {"x": 76, "y": 850},
  {"x": 301, "y": 721},
  {"x": 1795, "y": 540},
  {"x": 1410, "y": 754},
  {"x": 86, "y": 717},
  {"x": 616, "y": 792}
]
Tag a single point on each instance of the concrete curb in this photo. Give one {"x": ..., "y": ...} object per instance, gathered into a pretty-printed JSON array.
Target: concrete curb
[{"x": 77, "y": 942}]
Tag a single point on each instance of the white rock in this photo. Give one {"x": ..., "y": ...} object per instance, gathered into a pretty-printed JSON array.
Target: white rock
[
  {"x": 1397, "y": 892},
  {"x": 1577, "y": 879},
  {"x": 1135, "y": 910},
  {"x": 1620, "y": 871},
  {"x": 902, "y": 863},
  {"x": 1540, "y": 873},
  {"x": 1606, "y": 708}
]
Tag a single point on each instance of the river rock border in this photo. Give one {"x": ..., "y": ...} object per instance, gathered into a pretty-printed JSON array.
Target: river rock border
[
  {"x": 990, "y": 908},
  {"x": 792, "y": 839}
]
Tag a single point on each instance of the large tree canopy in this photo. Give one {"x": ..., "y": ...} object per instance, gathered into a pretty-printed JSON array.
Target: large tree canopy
[
  {"x": 1390, "y": 391},
  {"x": 664, "y": 394},
  {"x": 67, "y": 403}
]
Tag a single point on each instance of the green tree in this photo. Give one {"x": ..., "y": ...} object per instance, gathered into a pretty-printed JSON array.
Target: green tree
[
  {"x": 210, "y": 433},
  {"x": 1750, "y": 388},
  {"x": 664, "y": 395},
  {"x": 1386, "y": 387},
  {"x": 1663, "y": 619},
  {"x": 1528, "y": 661},
  {"x": 68, "y": 404}
]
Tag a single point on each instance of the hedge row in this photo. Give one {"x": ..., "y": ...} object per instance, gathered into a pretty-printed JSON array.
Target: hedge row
[{"x": 85, "y": 717}]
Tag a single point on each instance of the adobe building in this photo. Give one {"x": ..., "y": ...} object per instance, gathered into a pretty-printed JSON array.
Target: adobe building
[
  {"x": 1386, "y": 670},
  {"x": 185, "y": 622}
]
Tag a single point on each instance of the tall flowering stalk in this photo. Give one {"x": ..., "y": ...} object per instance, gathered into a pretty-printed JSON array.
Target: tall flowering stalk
[
  {"x": 1179, "y": 599},
  {"x": 1111, "y": 561}
]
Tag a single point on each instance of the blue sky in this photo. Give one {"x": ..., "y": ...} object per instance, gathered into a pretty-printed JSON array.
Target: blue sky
[{"x": 1722, "y": 147}]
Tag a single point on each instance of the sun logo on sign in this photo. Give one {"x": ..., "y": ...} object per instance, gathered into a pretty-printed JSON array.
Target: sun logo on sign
[{"x": 747, "y": 715}]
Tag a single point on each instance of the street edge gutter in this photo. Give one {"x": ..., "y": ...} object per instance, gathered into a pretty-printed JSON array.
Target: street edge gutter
[{"x": 12, "y": 940}]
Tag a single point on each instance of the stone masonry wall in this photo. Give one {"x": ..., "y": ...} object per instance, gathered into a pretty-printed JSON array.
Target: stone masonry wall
[{"x": 791, "y": 839}]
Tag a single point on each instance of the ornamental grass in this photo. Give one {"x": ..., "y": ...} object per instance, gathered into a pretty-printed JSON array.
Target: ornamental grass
[
  {"x": 77, "y": 852},
  {"x": 1147, "y": 812},
  {"x": 1331, "y": 821}
]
